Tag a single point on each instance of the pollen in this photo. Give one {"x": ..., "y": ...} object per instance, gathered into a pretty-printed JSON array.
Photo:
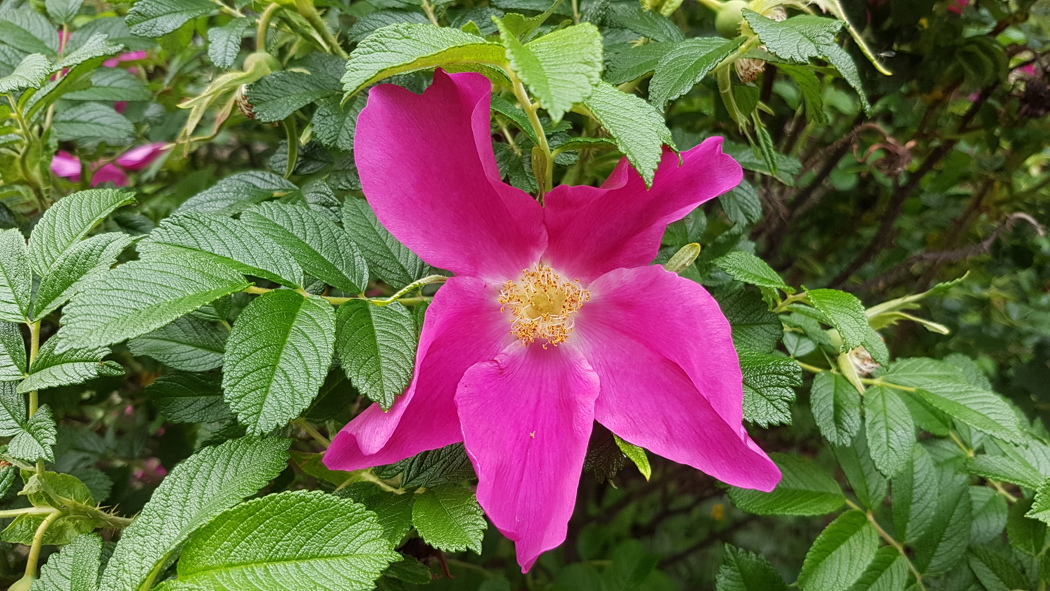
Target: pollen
[{"x": 542, "y": 305}]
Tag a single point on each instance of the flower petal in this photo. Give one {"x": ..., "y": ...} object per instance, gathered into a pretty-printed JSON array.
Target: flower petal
[
  {"x": 670, "y": 377},
  {"x": 463, "y": 326},
  {"x": 591, "y": 230},
  {"x": 527, "y": 417},
  {"x": 109, "y": 173},
  {"x": 140, "y": 156},
  {"x": 428, "y": 170},
  {"x": 65, "y": 165}
]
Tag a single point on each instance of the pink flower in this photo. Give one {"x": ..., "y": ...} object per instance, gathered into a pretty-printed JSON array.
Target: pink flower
[
  {"x": 554, "y": 318},
  {"x": 957, "y": 6},
  {"x": 141, "y": 156},
  {"x": 65, "y": 165},
  {"x": 130, "y": 56}
]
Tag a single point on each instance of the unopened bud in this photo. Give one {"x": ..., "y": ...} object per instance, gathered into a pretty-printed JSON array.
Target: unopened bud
[{"x": 683, "y": 259}]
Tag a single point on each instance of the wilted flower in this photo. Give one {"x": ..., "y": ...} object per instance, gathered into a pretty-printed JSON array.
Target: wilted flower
[{"x": 554, "y": 318}]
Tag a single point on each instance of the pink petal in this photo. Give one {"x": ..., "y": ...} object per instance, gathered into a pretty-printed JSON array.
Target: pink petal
[
  {"x": 670, "y": 377},
  {"x": 527, "y": 417},
  {"x": 462, "y": 327},
  {"x": 65, "y": 165},
  {"x": 109, "y": 173},
  {"x": 140, "y": 156},
  {"x": 125, "y": 57},
  {"x": 591, "y": 230},
  {"x": 119, "y": 106},
  {"x": 428, "y": 170}
]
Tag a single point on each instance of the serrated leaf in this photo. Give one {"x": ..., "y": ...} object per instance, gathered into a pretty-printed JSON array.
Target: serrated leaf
[
  {"x": 224, "y": 43},
  {"x": 742, "y": 204},
  {"x": 377, "y": 348},
  {"x": 63, "y": 11},
  {"x": 842, "y": 62},
  {"x": 887, "y": 572},
  {"x": 627, "y": 62},
  {"x": 768, "y": 383},
  {"x": 796, "y": 39},
  {"x": 111, "y": 84},
  {"x": 298, "y": 540},
  {"x": 1003, "y": 468},
  {"x": 76, "y": 568},
  {"x": 804, "y": 489},
  {"x": 187, "y": 344},
  {"x": 31, "y": 72},
  {"x": 144, "y": 295},
  {"x": 36, "y": 439},
  {"x": 1041, "y": 503},
  {"x": 322, "y": 249},
  {"x": 1025, "y": 534},
  {"x": 190, "y": 398},
  {"x": 647, "y": 23},
  {"x": 16, "y": 278},
  {"x": 12, "y": 353},
  {"x": 560, "y": 68},
  {"x": 844, "y": 312},
  {"x": 989, "y": 515},
  {"x": 7, "y": 479},
  {"x": 636, "y": 454},
  {"x": 995, "y": 571},
  {"x": 201, "y": 487},
  {"x": 685, "y": 66},
  {"x": 449, "y": 518},
  {"x": 154, "y": 18},
  {"x": 278, "y": 95},
  {"x": 28, "y": 31},
  {"x": 51, "y": 489},
  {"x": 335, "y": 123},
  {"x": 944, "y": 542},
  {"x": 238, "y": 244},
  {"x": 72, "y": 366},
  {"x": 68, "y": 221},
  {"x": 75, "y": 267},
  {"x": 444, "y": 465},
  {"x": 811, "y": 90},
  {"x": 393, "y": 511},
  {"x": 915, "y": 496},
  {"x": 407, "y": 47},
  {"x": 238, "y": 192},
  {"x": 750, "y": 269},
  {"x": 864, "y": 478},
  {"x": 276, "y": 358},
  {"x": 754, "y": 327},
  {"x": 96, "y": 46},
  {"x": 369, "y": 23},
  {"x": 746, "y": 571},
  {"x": 387, "y": 258},
  {"x": 638, "y": 129},
  {"x": 840, "y": 554},
  {"x": 12, "y": 410},
  {"x": 836, "y": 407},
  {"x": 91, "y": 122},
  {"x": 890, "y": 429}
]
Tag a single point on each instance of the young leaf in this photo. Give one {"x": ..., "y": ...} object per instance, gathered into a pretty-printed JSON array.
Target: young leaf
[
  {"x": 36, "y": 439},
  {"x": 387, "y": 258},
  {"x": 238, "y": 192},
  {"x": 278, "y": 95},
  {"x": 887, "y": 572},
  {"x": 16, "y": 279},
  {"x": 144, "y": 295},
  {"x": 76, "y": 568},
  {"x": 209, "y": 482},
  {"x": 75, "y": 267},
  {"x": 224, "y": 43},
  {"x": 298, "y": 540},
  {"x": 30, "y": 73},
  {"x": 190, "y": 398},
  {"x": 377, "y": 348},
  {"x": 12, "y": 353},
  {"x": 804, "y": 489},
  {"x": 1041, "y": 504},
  {"x": 449, "y": 518},
  {"x": 811, "y": 90},
  {"x": 846, "y": 313},
  {"x": 915, "y": 496},
  {"x": 836, "y": 407},
  {"x": 68, "y": 221},
  {"x": 685, "y": 66},
  {"x": 890, "y": 429},
  {"x": 323, "y": 249},
  {"x": 187, "y": 344},
  {"x": 91, "y": 122},
  {"x": 768, "y": 383},
  {"x": 154, "y": 18},
  {"x": 238, "y": 245},
  {"x": 72, "y": 366},
  {"x": 407, "y": 47},
  {"x": 636, "y": 454},
  {"x": 276, "y": 358},
  {"x": 638, "y": 129},
  {"x": 840, "y": 554},
  {"x": 746, "y": 571},
  {"x": 746, "y": 267},
  {"x": 1027, "y": 535}
]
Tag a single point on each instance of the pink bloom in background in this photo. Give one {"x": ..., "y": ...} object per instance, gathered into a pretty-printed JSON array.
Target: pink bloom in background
[
  {"x": 65, "y": 165},
  {"x": 957, "y": 6},
  {"x": 554, "y": 318},
  {"x": 130, "y": 56}
]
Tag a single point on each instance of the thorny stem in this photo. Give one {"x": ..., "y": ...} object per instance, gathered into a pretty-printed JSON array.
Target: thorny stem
[
  {"x": 541, "y": 136},
  {"x": 264, "y": 26},
  {"x": 27, "y": 511},
  {"x": 892, "y": 542},
  {"x": 38, "y": 542}
]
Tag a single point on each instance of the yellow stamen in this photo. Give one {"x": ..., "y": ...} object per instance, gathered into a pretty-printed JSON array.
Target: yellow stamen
[{"x": 542, "y": 304}]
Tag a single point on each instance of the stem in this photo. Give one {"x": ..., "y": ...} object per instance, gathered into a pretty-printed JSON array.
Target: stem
[
  {"x": 38, "y": 542},
  {"x": 809, "y": 368},
  {"x": 230, "y": 11},
  {"x": 309, "y": 12},
  {"x": 576, "y": 12},
  {"x": 27, "y": 511},
  {"x": 892, "y": 542},
  {"x": 541, "y": 136},
  {"x": 429, "y": 10},
  {"x": 264, "y": 26},
  {"x": 292, "y": 135},
  {"x": 410, "y": 287},
  {"x": 791, "y": 299},
  {"x": 34, "y": 395},
  {"x": 714, "y": 5},
  {"x": 305, "y": 426},
  {"x": 367, "y": 476}
]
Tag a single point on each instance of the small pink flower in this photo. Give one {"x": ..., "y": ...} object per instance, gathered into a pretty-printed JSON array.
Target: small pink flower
[
  {"x": 130, "y": 56},
  {"x": 141, "y": 156},
  {"x": 66, "y": 165},
  {"x": 957, "y": 6},
  {"x": 554, "y": 318},
  {"x": 109, "y": 173}
]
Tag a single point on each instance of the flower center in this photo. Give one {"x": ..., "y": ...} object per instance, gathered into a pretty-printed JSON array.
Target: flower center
[{"x": 542, "y": 304}]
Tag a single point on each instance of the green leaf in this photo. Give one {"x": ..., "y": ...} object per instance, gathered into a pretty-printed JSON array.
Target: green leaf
[
  {"x": 407, "y": 47},
  {"x": 944, "y": 542},
  {"x": 63, "y": 11},
  {"x": 796, "y": 39},
  {"x": 12, "y": 353},
  {"x": 560, "y": 68},
  {"x": 201, "y": 487},
  {"x": 990, "y": 514},
  {"x": 28, "y": 31},
  {"x": 76, "y": 568},
  {"x": 377, "y": 348},
  {"x": 51, "y": 489},
  {"x": 68, "y": 221},
  {"x": 449, "y": 518},
  {"x": 236, "y": 243},
  {"x": 647, "y": 23},
  {"x": 746, "y": 571},
  {"x": 804, "y": 489},
  {"x": 144, "y": 295},
  {"x": 836, "y": 407},
  {"x": 98, "y": 45},
  {"x": 746, "y": 267},
  {"x": 187, "y": 344},
  {"x": 942, "y": 386},
  {"x": 636, "y": 454},
  {"x": 685, "y": 66},
  {"x": 1041, "y": 503},
  {"x": 189, "y": 398},
  {"x": 298, "y": 540},
  {"x": 75, "y": 267},
  {"x": 278, "y": 95},
  {"x": 811, "y": 90},
  {"x": 1003, "y": 468},
  {"x": 846, "y": 313},
  {"x": 387, "y": 258},
  {"x": 637, "y": 128},
  {"x": 72, "y": 366},
  {"x": 891, "y": 431},
  {"x": 154, "y": 18},
  {"x": 842, "y": 62},
  {"x": 334, "y": 123},
  {"x": 277, "y": 357},
  {"x": 323, "y": 249},
  {"x": 887, "y": 572},
  {"x": 91, "y": 122},
  {"x": 36, "y": 439},
  {"x": 768, "y": 383},
  {"x": 12, "y": 410},
  {"x": 111, "y": 84},
  {"x": 742, "y": 204},
  {"x": 995, "y": 570},
  {"x": 1027, "y": 535},
  {"x": 224, "y": 43},
  {"x": 444, "y": 465},
  {"x": 628, "y": 62},
  {"x": 31, "y": 72},
  {"x": 754, "y": 326},
  {"x": 864, "y": 478},
  {"x": 16, "y": 278},
  {"x": 238, "y": 192},
  {"x": 915, "y": 496},
  {"x": 840, "y": 554},
  {"x": 393, "y": 511}
]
